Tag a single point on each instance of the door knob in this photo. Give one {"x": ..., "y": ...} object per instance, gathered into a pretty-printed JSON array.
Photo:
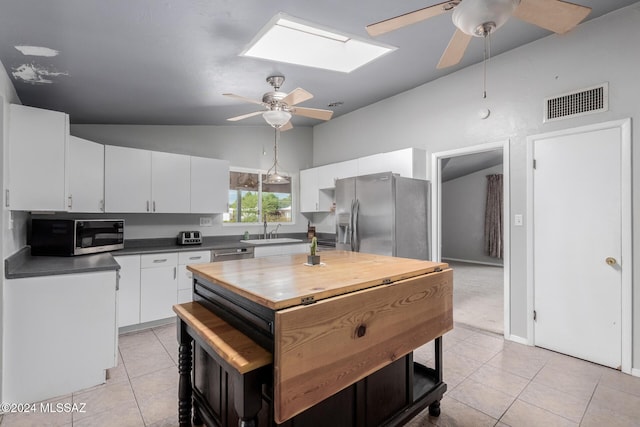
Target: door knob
[{"x": 611, "y": 261}]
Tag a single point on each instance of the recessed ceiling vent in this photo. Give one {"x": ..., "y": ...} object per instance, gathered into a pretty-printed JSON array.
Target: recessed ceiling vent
[{"x": 579, "y": 103}]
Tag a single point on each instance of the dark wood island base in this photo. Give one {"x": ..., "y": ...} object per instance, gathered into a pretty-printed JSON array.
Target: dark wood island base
[{"x": 222, "y": 396}]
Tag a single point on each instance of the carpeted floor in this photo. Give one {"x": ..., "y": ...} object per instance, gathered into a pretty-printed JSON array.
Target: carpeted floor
[{"x": 478, "y": 296}]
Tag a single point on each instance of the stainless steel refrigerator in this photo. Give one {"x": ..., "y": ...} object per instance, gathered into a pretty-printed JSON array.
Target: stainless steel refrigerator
[{"x": 383, "y": 214}]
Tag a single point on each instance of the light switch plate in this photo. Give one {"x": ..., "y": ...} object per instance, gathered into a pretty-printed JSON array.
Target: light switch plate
[{"x": 517, "y": 219}]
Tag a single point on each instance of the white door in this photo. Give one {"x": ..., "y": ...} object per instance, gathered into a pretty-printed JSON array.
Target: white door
[{"x": 577, "y": 227}]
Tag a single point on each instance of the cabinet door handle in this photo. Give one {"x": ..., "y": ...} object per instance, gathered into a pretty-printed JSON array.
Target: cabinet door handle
[
  {"x": 70, "y": 202},
  {"x": 154, "y": 205},
  {"x": 147, "y": 206},
  {"x": 195, "y": 257},
  {"x": 175, "y": 272},
  {"x": 160, "y": 260},
  {"x": 101, "y": 205}
]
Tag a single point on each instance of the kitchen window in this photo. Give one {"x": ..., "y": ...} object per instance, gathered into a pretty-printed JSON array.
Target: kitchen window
[{"x": 251, "y": 200}]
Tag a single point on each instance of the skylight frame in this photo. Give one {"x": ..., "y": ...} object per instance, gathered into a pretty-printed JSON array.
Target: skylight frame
[{"x": 349, "y": 52}]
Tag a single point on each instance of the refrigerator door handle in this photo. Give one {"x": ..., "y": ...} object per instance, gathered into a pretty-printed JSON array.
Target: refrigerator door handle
[
  {"x": 350, "y": 226},
  {"x": 356, "y": 237}
]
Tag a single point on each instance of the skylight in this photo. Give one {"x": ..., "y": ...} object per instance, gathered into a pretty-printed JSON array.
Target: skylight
[{"x": 291, "y": 40}]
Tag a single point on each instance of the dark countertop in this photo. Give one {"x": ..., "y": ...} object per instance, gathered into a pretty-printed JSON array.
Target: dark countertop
[{"x": 22, "y": 264}]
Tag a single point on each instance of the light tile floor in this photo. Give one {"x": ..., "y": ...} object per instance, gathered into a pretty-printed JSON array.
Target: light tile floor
[{"x": 491, "y": 382}]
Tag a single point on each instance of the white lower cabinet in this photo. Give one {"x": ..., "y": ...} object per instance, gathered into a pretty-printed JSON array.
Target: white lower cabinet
[
  {"x": 296, "y": 248},
  {"x": 60, "y": 334},
  {"x": 148, "y": 287},
  {"x": 185, "y": 277},
  {"x": 158, "y": 286},
  {"x": 129, "y": 293}
]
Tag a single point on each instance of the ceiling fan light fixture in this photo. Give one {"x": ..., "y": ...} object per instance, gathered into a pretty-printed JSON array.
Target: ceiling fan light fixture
[
  {"x": 276, "y": 178},
  {"x": 276, "y": 118},
  {"x": 479, "y": 18}
]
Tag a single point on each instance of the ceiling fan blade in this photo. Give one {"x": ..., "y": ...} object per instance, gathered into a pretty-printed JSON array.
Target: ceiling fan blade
[
  {"x": 314, "y": 113},
  {"x": 243, "y": 98},
  {"x": 296, "y": 96},
  {"x": 553, "y": 15},
  {"x": 286, "y": 126},
  {"x": 245, "y": 116},
  {"x": 416, "y": 16},
  {"x": 455, "y": 49}
]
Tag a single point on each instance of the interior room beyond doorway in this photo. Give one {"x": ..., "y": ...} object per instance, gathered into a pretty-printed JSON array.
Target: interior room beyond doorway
[{"x": 472, "y": 236}]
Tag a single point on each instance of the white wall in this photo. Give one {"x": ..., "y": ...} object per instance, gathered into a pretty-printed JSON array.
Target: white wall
[
  {"x": 442, "y": 115},
  {"x": 463, "y": 207},
  {"x": 243, "y": 146},
  {"x": 11, "y": 239}
]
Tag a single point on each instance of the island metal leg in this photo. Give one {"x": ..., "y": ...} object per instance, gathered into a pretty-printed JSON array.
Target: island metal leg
[{"x": 434, "y": 408}]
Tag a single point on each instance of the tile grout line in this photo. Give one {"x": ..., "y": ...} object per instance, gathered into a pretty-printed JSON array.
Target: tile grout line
[{"x": 135, "y": 397}]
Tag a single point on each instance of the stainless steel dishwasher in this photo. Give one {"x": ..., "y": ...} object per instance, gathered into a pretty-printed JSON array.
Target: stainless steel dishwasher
[{"x": 228, "y": 254}]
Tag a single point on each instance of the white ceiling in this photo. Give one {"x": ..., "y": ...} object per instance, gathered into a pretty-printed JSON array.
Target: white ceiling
[{"x": 169, "y": 61}]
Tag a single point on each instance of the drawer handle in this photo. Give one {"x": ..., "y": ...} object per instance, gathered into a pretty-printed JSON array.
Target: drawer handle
[
  {"x": 160, "y": 260},
  {"x": 195, "y": 257}
]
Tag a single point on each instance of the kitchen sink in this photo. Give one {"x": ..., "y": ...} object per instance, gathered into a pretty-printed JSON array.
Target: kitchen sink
[{"x": 271, "y": 241}]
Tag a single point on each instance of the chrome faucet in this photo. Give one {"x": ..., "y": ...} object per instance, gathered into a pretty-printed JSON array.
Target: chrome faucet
[
  {"x": 274, "y": 233},
  {"x": 265, "y": 228}
]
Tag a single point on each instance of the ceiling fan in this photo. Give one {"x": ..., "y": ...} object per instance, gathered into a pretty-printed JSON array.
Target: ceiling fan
[
  {"x": 479, "y": 18},
  {"x": 279, "y": 106}
]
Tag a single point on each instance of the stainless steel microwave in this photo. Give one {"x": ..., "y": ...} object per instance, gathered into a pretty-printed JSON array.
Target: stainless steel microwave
[{"x": 70, "y": 237}]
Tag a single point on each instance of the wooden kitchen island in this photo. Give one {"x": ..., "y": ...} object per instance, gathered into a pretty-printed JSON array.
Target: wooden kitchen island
[{"x": 332, "y": 344}]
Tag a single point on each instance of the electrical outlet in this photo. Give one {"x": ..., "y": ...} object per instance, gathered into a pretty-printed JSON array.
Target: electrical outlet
[{"x": 206, "y": 221}]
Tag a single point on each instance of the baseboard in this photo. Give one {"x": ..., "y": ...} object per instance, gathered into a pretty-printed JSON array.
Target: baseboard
[
  {"x": 635, "y": 372},
  {"x": 472, "y": 262},
  {"x": 147, "y": 325},
  {"x": 518, "y": 339}
]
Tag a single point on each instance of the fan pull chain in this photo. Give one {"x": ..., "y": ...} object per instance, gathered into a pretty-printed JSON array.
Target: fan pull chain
[{"x": 487, "y": 55}]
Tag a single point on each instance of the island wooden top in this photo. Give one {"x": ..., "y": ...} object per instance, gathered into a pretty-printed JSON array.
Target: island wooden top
[{"x": 279, "y": 282}]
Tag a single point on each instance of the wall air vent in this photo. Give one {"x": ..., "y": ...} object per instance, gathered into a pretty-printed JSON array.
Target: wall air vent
[{"x": 579, "y": 103}]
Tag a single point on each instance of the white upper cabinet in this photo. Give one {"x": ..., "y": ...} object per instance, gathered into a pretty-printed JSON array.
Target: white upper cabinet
[
  {"x": 312, "y": 198},
  {"x": 170, "y": 183},
  {"x": 309, "y": 194},
  {"x": 146, "y": 181},
  {"x": 37, "y": 158},
  {"x": 209, "y": 185},
  {"x": 85, "y": 172},
  {"x": 409, "y": 162},
  {"x": 127, "y": 179},
  {"x": 328, "y": 174}
]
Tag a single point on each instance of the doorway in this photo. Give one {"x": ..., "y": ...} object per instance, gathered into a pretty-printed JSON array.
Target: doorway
[
  {"x": 459, "y": 177},
  {"x": 580, "y": 242}
]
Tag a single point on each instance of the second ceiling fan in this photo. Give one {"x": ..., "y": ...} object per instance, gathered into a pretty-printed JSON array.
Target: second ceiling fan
[{"x": 479, "y": 18}]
